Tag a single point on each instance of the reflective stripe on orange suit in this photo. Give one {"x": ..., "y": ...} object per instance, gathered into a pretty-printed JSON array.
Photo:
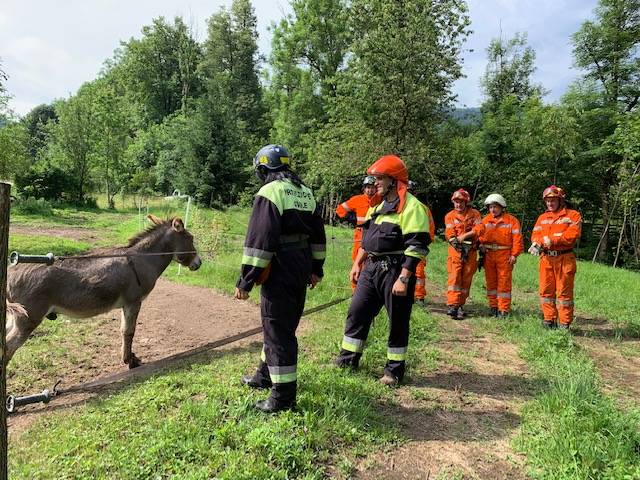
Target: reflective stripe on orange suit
[
  {"x": 557, "y": 274},
  {"x": 502, "y": 239},
  {"x": 359, "y": 204},
  {"x": 461, "y": 275},
  {"x": 421, "y": 291}
]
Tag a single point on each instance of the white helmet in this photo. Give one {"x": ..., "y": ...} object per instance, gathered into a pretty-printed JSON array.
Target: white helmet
[{"x": 496, "y": 198}]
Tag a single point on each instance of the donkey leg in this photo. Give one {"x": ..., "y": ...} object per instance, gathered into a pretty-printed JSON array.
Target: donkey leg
[
  {"x": 128, "y": 330},
  {"x": 20, "y": 324}
]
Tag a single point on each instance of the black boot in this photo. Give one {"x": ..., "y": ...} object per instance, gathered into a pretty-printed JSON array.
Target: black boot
[
  {"x": 347, "y": 360},
  {"x": 452, "y": 311},
  {"x": 503, "y": 315},
  {"x": 494, "y": 311},
  {"x": 253, "y": 381},
  {"x": 260, "y": 379},
  {"x": 549, "y": 324},
  {"x": 271, "y": 405}
]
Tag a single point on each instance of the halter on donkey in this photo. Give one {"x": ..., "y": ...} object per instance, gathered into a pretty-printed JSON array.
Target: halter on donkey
[{"x": 85, "y": 287}]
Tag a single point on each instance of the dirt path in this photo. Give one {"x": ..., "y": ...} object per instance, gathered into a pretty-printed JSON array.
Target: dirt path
[
  {"x": 173, "y": 319},
  {"x": 615, "y": 354},
  {"x": 461, "y": 418},
  {"x": 73, "y": 233}
]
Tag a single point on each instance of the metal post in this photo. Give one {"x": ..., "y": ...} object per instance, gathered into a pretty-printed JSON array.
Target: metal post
[
  {"x": 5, "y": 205},
  {"x": 186, "y": 220}
]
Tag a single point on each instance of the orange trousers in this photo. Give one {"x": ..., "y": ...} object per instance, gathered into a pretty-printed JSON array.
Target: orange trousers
[
  {"x": 357, "y": 241},
  {"x": 420, "y": 291},
  {"x": 460, "y": 276},
  {"x": 557, "y": 275},
  {"x": 497, "y": 274}
]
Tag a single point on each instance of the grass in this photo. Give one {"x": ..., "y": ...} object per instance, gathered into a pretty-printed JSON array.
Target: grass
[
  {"x": 197, "y": 422},
  {"x": 42, "y": 244}
]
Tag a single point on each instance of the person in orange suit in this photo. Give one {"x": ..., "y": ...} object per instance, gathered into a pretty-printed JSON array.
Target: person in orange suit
[
  {"x": 355, "y": 209},
  {"x": 421, "y": 291},
  {"x": 501, "y": 244},
  {"x": 554, "y": 236},
  {"x": 463, "y": 227}
]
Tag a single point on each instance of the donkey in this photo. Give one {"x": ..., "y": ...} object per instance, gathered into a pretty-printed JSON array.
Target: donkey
[{"x": 85, "y": 287}]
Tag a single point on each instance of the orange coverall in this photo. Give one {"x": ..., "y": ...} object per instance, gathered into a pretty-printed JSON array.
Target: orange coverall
[
  {"x": 359, "y": 204},
  {"x": 557, "y": 262},
  {"x": 501, "y": 240},
  {"x": 421, "y": 292},
  {"x": 461, "y": 274}
]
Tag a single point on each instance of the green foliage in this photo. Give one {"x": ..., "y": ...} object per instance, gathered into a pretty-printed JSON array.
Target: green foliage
[
  {"x": 13, "y": 149},
  {"x": 31, "y": 206},
  {"x": 511, "y": 64},
  {"x": 159, "y": 70},
  {"x": 50, "y": 182}
]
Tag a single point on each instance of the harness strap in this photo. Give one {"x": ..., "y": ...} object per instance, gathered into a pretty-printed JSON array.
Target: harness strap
[{"x": 135, "y": 272}]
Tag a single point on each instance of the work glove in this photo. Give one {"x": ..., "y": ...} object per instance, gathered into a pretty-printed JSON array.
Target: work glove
[
  {"x": 453, "y": 241},
  {"x": 535, "y": 249},
  {"x": 546, "y": 241}
]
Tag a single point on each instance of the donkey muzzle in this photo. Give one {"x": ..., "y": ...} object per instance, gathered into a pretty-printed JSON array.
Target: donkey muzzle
[{"x": 195, "y": 263}]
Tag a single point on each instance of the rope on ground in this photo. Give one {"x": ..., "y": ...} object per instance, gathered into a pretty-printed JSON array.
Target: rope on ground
[{"x": 156, "y": 365}]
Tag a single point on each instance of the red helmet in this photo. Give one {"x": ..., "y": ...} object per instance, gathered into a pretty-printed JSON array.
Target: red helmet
[
  {"x": 390, "y": 165},
  {"x": 461, "y": 194},
  {"x": 553, "y": 191}
]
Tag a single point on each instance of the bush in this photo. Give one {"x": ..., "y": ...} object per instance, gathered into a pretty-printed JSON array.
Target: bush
[{"x": 32, "y": 206}]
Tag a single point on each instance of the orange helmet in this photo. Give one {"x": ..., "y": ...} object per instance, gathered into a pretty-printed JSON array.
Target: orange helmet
[
  {"x": 390, "y": 165},
  {"x": 461, "y": 194},
  {"x": 553, "y": 191}
]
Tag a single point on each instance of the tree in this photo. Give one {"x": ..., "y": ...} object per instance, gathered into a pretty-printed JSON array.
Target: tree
[
  {"x": 231, "y": 63},
  {"x": 308, "y": 50},
  {"x": 607, "y": 49},
  {"x": 160, "y": 69},
  {"x": 72, "y": 142},
  {"x": 13, "y": 150},
  {"x": 405, "y": 60},
  {"x": 111, "y": 136},
  {"x": 35, "y": 123},
  {"x": 511, "y": 64}
]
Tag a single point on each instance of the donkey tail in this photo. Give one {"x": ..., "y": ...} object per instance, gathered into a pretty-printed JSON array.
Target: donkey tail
[{"x": 15, "y": 310}]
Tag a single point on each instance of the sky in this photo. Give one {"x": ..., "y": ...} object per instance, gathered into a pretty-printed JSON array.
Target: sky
[{"x": 50, "y": 48}]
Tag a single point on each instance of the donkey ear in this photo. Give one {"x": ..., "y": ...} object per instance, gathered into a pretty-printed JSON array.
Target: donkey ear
[
  {"x": 177, "y": 225},
  {"x": 153, "y": 219}
]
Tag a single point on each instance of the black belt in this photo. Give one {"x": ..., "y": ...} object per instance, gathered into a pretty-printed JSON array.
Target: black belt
[
  {"x": 555, "y": 253},
  {"x": 382, "y": 257},
  {"x": 285, "y": 247}
]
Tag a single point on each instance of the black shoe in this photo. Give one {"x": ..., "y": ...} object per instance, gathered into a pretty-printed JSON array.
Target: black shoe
[
  {"x": 420, "y": 302},
  {"x": 252, "y": 382},
  {"x": 564, "y": 326},
  {"x": 494, "y": 311},
  {"x": 459, "y": 313},
  {"x": 271, "y": 405},
  {"x": 503, "y": 315},
  {"x": 452, "y": 311},
  {"x": 344, "y": 364},
  {"x": 549, "y": 324}
]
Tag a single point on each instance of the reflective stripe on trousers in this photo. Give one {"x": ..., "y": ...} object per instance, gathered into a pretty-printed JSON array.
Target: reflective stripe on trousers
[
  {"x": 497, "y": 275},
  {"x": 460, "y": 276},
  {"x": 557, "y": 276}
]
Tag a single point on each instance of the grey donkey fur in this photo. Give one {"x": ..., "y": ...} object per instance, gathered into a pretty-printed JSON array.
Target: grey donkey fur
[{"x": 83, "y": 288}]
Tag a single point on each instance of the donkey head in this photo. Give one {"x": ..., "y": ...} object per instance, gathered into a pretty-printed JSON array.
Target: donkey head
[{"x": 182, "y": 242}]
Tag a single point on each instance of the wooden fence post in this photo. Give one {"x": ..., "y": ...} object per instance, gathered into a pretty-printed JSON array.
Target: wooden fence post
[{"x": 5, "y": 204}]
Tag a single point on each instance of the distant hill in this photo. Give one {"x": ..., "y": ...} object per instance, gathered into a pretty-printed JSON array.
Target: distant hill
[{"x": 466, "y": 115}]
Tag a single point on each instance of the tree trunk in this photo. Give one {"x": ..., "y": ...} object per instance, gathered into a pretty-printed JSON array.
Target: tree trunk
[
  {"x": 603, "y": 245},
  {"x": 624, "y": 226},
  {"x": 5, "y": 205}
]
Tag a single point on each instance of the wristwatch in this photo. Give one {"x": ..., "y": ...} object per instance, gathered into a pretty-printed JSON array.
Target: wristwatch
[{"x": 403, "y": 279}]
